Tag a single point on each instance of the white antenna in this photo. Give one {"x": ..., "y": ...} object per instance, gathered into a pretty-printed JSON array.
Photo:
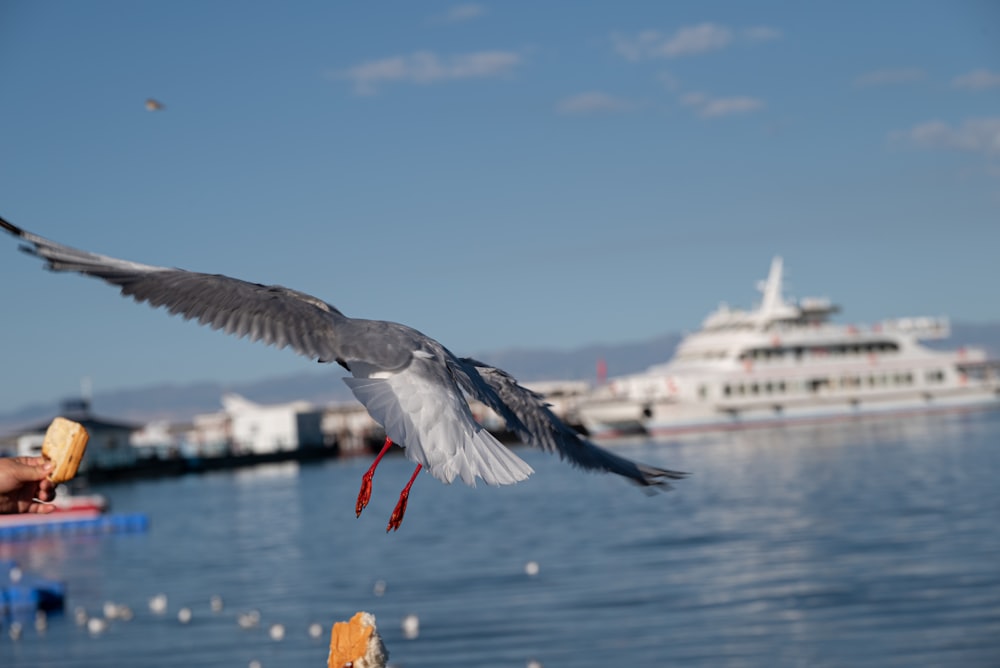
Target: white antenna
[
  {"x": 772, "y": 288},
  {"x": 86, "y": 389}
]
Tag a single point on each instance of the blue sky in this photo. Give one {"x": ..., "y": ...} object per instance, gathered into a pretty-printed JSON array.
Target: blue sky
[{"x": 495, "y": 174}]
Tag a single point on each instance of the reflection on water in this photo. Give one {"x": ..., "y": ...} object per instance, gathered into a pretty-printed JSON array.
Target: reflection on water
[{"x": 874, "y": 544}]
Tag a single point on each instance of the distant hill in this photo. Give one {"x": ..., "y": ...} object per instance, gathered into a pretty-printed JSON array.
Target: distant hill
[
  {"x": 581, "y": 363},
  {"x": 183, "y": 401}
]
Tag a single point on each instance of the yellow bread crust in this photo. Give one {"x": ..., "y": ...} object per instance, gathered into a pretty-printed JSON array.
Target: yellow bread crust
[
  {"x": 64, "y": 445},
  {"x": 356, "y": 644}
]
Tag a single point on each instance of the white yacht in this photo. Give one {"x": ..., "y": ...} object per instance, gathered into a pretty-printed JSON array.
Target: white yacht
[{"x": 785, "y": 362}]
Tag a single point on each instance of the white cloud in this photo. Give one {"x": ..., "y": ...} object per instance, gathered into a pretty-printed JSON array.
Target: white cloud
[
  {"x": 717, "y": 107},
  {"x": 461, "y": 13},
  {"x": 977, "y": 80},
  {"x": 636, "y": 48},
  {"x": 593, "y": 102},
  {"x": 425, "y": 67},
  {"x": 727, "y": 106},
  {"x": 687, "y": 41},
  {"x": 888, "y": 76},
  {"x": 697, "y": 39},
  {"x": 693, "y": 99},
  {"x": 977, "y": 135},
  {"x": 761, "y": 33}
]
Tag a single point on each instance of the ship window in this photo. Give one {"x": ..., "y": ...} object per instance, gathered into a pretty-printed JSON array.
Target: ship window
[
  {"x": 935, "y": 376},
  {"x": 850, "y": 381},
  {"x": 702, "y": 391},
  {"x": 816, "y": 384},
  {"x": 726, "y": 390}
]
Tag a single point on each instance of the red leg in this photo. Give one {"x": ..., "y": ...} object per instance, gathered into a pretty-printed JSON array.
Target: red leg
[
  {"x": 365, "y": 495},
  {"x": 397, "y": 514}
]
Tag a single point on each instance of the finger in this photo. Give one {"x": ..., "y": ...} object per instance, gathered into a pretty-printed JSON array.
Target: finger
[
  {"x": 45, "y": 493},
  {"x": 31, "y": 461},
  {"x": 32, "y": 472},
  {"x": 38, "y": 507}
]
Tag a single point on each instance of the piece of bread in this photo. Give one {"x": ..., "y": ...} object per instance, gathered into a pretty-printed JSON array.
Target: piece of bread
[
  {"x": 356, "y": 644},
  {"x": 64, "y": 445}
]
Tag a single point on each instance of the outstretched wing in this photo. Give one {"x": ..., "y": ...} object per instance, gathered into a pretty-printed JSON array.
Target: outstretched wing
[
  {"x": 543, "y": 429},
  {"x": 270, "y": 313}
]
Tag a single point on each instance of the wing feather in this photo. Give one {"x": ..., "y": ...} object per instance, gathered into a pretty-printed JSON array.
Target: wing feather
[
  {"x": 544, "y": 430},
  {"x": 271, "y": 313}
]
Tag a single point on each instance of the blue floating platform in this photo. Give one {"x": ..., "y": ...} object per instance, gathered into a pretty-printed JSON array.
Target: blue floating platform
[
  {"x": 27, "y": 593},
  {"x": 55, "y": 524}
]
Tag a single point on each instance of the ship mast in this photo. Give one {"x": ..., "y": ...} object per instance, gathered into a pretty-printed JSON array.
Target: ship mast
[
  {"x": 772, "y": 288},
  {"x": 772, "y": 305}
]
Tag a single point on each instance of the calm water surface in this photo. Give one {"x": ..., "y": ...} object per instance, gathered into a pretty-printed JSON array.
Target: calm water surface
[{"x": 868, "y": 545}]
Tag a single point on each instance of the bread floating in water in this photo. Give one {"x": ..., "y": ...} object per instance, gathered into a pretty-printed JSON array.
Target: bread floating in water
[
  {"x": 64, "y": 445},
  {"x": 356, "y": 644}
]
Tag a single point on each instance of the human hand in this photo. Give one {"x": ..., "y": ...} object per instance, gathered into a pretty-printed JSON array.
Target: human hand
[{"x": 24, "y": 487}]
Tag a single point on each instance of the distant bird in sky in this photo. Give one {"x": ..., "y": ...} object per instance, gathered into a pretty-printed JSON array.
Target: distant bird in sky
[
  {"x": 154, "y": 105},
  {"x": 409, "y": 383}
]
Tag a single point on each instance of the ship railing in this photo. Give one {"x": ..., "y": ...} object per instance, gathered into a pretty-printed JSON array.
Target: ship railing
[
  {"x": 920, "y": 328},
  {"x": 924, "y": 328}
]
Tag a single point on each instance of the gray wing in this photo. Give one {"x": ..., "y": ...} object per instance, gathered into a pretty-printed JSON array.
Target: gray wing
[
  {"x": 474, "y": 385},
  {"x": 272, "y": 314},
  {"x": 543, "y": 429}
]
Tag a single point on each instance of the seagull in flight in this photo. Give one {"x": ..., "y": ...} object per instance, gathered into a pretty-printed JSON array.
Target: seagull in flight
[{"x": 409, "y": 383}]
